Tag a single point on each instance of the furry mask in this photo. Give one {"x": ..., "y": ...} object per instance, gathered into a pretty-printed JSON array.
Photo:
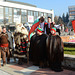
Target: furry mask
[{"x": 21, "y": 29}]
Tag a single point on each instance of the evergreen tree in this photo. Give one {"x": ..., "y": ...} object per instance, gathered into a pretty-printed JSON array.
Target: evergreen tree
[
  {"x": 67, "y": 18},
  {"x": 63, "y": 18},
  {"x": 60, "y": 21}
]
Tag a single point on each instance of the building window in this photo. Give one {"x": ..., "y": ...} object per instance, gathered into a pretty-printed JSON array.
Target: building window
[
  {"x": 6, "y": 19},
  {"x": 8, "y": 15},
  {"x": 72, "y": 17},
  {"x": 30, "y": 13},
  {"x": 49, "y": 15},
  {"x": 45, "y": 15},
  {"x": 35, "y": 15},
  {"x": 41, "y": 14},
  {"x": 73, "y": 12},
  {"x": 1, "y": 15},
  {"x": 23, "y": 16},
  {"x": 70, "y": 9},
  {"x": 17, "y": 15}
]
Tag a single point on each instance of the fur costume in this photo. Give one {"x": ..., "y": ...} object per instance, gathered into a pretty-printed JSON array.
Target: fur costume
[{"x": 20, "y": 37}]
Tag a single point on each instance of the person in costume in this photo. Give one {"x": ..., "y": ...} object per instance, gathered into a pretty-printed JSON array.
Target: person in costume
[
  {"x": 39, "y": 31},
  {"x": 37, "y": 52},
  {"x": 4, "y": 46},
  {"x": 20, "y": 38},
  {"x": 44, "y": 25},
  {"x": 53, "y": 29},
  {"x": 49, "y": 24}
]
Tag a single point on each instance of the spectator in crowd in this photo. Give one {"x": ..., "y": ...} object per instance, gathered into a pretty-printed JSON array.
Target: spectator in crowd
[
  {"x": 66, "y": 30},
  {"x": 62, "y": 28},
  {"x": 42, "y": 23},
  {"x": 49, "y": 23},
  {"x": 10, "y": 39},
  {"x": 58, "y": 28},
  {"x": 44, "y": 26}
]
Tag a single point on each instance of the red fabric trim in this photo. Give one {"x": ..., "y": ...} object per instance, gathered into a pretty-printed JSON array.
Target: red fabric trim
[
  {"x": 52, "y": 30},
  {"x": 4, "y": 45},
  {"x": 26, "y": 41},
  {"x": 23, "y": 51},
  {"x": 23, "y": 47},
  {"x": 20, "y": 42},
  {"x": 45, "y": 23},
  {"x": 39, "y": 30},
  {"x": 54, "y": 34},
  {"x": 32, "y": 29},
  {"x": 23, "y": 42}
]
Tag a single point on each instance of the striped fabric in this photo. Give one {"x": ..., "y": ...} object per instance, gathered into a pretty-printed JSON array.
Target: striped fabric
[{"x": 34, "y": 26}]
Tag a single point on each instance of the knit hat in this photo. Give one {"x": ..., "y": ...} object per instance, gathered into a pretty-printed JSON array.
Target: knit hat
[
  {"x": 39, "y": 30},
  {"x": 45, "y": 23},
  {"x": 53, "y": 30}
]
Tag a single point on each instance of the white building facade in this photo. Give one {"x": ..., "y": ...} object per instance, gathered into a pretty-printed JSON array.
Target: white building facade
[
  {"x": 71, "y": 12},
  {"x": 12, "y": 12}
]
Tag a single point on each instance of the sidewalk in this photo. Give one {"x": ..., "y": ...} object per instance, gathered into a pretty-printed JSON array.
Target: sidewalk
[
  {"x": 71, "y": 56},
  {"x": 3, "y": 73},
  {"x": 29, "y": 69}
]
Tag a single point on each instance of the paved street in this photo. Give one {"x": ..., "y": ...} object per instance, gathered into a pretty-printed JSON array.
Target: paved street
[
  {"x": 29, "y": 69},
  {"x": 4, "y": 73}
]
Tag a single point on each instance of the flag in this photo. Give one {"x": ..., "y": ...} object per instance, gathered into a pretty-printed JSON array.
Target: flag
[
  {"x": 34, "y": 26},
  {"x": 73, "y": 25}
]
